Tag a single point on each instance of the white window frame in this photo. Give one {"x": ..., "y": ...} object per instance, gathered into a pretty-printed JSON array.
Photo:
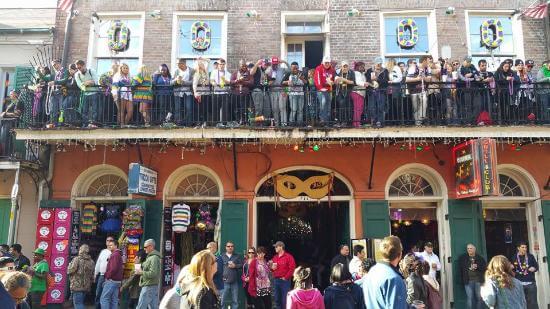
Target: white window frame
[
  {"x": 305, "y": 16},
  {"x": 432, "y": 33},
  {"x": 177, "y": 16},
  {"x": 517, "y": 32},
  {"x": 91, "y": 60}
]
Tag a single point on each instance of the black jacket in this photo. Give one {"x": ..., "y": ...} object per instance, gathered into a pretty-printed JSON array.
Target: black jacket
[
  {"x": 530, "y": 277},
  {"x": 345, "y": 296},
  {"x": 416, "y": 289},
  {"x": 464, "y": 265},
  {"x": 340, "y": 259},
  {"x": 382, "y": 78}
]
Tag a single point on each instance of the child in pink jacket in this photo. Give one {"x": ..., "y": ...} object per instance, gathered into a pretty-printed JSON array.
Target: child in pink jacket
[{"x": 304, "y": 296}]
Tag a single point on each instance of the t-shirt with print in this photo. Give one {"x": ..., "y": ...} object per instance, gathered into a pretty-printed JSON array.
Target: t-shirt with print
[{"x": 39, "y": 284}]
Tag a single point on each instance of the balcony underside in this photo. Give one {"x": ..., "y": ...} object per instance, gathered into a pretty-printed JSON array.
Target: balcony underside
[{"x": 267, "y": 134}]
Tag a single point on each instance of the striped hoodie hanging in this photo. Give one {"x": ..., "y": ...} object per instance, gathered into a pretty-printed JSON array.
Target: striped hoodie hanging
[{"x": 181, "y": 218}]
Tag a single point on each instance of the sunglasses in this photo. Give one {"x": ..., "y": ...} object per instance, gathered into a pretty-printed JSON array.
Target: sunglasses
[
  {"x": 229, "y": 246},
  {"x": 455, "y": 63},
  {"x": 251, "y": 252}
]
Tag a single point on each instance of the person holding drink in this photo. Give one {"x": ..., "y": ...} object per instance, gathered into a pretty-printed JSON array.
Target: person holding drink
[
  {"x": 232, "y": 264},
  {"x": 472, "y": 268},
  {"x": 282, "y": 265}
]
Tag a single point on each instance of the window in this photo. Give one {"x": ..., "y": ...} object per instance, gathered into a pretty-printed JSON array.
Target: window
[
  {"x": 510, "y": 46},
  {"x": 304, "y": 27},
  {"x": 108, "y": 185},
  {"x": 295, "y": 53},
  {"x": 410, "y": 185},
  {"x": 197, "y": 185},
  {"x": 184, "y": 33},
  {"x": 103, "y": 57},
  {"x": 508, "y": 186},
  {"x": 426, "y": 43}
]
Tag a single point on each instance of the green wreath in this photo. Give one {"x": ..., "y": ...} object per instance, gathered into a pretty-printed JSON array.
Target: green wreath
[{"x": 118, "y": 42}]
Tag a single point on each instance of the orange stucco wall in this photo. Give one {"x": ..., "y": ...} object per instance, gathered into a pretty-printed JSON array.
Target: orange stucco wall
[{"x": 352, "y": 162}]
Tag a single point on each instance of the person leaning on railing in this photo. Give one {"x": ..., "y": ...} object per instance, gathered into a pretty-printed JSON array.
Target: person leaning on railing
[
  {"x": 543, "y": 80},
  {"x": 241, "y": 81},
  {"x": 508, "y": 84},
  {"x": 142, "y": 93},
  {"x": 8, "y": 121},
  {"x": 86, "y": 79},
  {"x": 71, "y": 96},
  {"x": 122, "y": 94},
  {"x": 377, "y": 79},
  {"x": 201, "y": 89},
  {"x": 182, "y": 82}
]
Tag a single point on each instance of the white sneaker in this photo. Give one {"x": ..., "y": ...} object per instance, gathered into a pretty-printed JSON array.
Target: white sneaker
[{"x": 168, "y": 117}]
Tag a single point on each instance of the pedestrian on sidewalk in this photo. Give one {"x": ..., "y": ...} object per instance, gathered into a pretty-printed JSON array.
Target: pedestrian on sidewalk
[
  {"x": 113, "y": 277},
  {"x": 150, "y": 277},
  {"x": 282, "y": 265},
  {"x": 232, "y": 265},
  {"x": 81, "y": 276},
  {"x": 304, "y": 295}
]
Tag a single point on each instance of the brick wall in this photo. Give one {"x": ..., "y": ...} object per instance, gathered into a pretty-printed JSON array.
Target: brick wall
[{"x": 351, "y": 39}]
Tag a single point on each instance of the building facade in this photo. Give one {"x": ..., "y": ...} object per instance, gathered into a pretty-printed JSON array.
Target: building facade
[{"x": 342, "y": 184}]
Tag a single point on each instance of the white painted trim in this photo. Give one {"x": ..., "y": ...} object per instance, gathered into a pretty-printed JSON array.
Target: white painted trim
[
  {"x": 181, "y": 134},
  {"x": 258, "y": 199},
  {"x": 303, "y": 16},
  {"x": 88, "y": 176},
  {"x": 517, "y": 29},
  {"x": 432, "y": 32},
  {"x": 431, "y": 175},
  {"x": 180, "y": 173},
  {"x": 9, "y": 165},
  {"x": 91, "y": 57},
  {"x": 177, "y": 15}
]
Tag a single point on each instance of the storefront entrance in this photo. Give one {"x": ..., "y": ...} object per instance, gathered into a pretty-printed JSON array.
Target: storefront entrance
[
  {"x": 415, "y": 224},
  {"x": 311, "y": 231},
  {"x": 311, "y": 228},
  {"x": 504, "y": 228}
]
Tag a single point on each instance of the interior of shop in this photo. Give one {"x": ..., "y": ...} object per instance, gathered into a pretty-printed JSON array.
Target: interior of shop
[
  {"x": 311, "y": 231},
  {"x": 415, "y": 224}
]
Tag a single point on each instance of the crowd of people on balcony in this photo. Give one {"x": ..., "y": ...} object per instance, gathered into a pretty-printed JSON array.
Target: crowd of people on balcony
[{"x": 273, "y": 92}]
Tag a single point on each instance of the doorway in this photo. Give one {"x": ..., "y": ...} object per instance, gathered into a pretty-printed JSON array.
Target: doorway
[
  {"x": 314, "y": 53},
  {"x": 307, "y": 53},
  {"x": 311, "y": 231},
  {"x": 415, "y": 224},
  {"x": 504, "y": 228}
]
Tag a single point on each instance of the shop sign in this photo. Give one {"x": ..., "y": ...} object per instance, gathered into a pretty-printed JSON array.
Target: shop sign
[
  {"x": 474, "y": 167},
  {"x": 142, "y": 180},
  {"x": 75, "y": 233}
]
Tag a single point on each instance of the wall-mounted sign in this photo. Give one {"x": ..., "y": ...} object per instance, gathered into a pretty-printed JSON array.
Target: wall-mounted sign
[
  {"x": 142, "y": 180},
  {"x": 474, "y": 166}
]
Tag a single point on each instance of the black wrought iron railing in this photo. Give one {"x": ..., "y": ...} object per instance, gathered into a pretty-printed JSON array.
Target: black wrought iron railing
[{"x": 438, "y": 104}]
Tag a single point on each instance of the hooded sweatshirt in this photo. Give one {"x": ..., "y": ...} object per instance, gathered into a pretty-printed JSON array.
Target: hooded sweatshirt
[
  {"x": 344, "y": 296},
  {"x": 81, "y": 272},
  {"x": 151, "y": 269},
  {"x": 304, "y": 299}
]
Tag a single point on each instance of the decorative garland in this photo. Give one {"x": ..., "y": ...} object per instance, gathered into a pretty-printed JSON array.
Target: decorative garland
[
  {"x": 120, "y": 42},
  {"x": 197, "y": 42},
  {"x": 402, "y": 27},
  {"x": 497, "y": 31}
]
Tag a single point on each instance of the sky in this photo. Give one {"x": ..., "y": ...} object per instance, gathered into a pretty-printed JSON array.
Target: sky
[{"x": 11, "y": 4}]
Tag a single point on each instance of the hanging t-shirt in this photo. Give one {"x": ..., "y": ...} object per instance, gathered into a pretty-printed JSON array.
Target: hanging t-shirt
[
  {"x": 181, "y": 218},
  {"x": 89, "y": 219}
]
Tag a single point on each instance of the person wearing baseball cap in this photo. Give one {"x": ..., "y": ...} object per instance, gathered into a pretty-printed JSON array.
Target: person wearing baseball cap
[
  {"x": 429, "y": 256},
  {"x": 324, "y": 80},
  {"x": 39, "y": 272},
  {"x": 282, "y": 265},
  {"x": 529, "y": 64},
  {"x": 275, "y": 75}
]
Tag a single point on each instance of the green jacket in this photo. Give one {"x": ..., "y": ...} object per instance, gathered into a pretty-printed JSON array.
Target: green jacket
[{"x": 151, "y": 269}]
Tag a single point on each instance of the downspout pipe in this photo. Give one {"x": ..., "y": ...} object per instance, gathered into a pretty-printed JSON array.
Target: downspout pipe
[{"x": 14, "y": 207}]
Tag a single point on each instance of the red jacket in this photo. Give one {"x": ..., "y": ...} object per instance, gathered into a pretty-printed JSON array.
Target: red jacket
[
  {"x": 285, "y": 266},
  {"x": 320, "y": 77},
  {"x": 252, "y": 268},
  {"x": 115, "y": 267}
]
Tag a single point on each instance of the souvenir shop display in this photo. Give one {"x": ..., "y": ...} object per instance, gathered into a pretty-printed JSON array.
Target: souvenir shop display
[
  {"x": 132, "y": 230},
  {"x": 168, "y": 250},
  {"x": 53, "y": 234}
]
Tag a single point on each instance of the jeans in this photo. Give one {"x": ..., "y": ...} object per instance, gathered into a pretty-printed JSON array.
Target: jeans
[
  {"x": 56, "y": 101},
  {"x": 296, "y": 108},
  {"x": 473, "y": 298},
  {"x": 100, "y": 279},
  {"x": 78, "y": 300},
  {"x": 419, "y": 104},
  {"x": 186, "y": 103},
  {"x": 324, "y": 98},
  {"x": 278, "y": 106},
  {"x": 231, "y": 289},
  {"x": 261, "y": 103},
  {"x": 149, "y": 297},
  {"x": 109, "y": 296},
  {"x": 90, "y": 108},
  {"x": 281, "y": 289},
  {"x": 530, "y": 292},
  {"x": 36, "y": 297},
  {"x": 377, "y": 106}
]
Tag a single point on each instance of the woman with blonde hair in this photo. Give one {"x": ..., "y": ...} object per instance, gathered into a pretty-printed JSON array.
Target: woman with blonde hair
[
  {"x": 143, "y": 94},
  {"x": 123, "y": 95},
  {"x": 304, "y": 295},
  {"x": 201, "y": 87},
  {"x": 501, "y": 289},
  {"x": 195, "y": 287}
]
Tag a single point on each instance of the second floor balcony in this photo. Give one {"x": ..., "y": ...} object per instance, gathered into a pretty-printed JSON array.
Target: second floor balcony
[{"x": 438, "y": 109}]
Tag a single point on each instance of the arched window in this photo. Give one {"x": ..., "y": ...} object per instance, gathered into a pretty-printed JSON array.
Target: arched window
[
  {"x": 197, "y": 185},
  {"x": 108, "y": 185},
  {"x": 509, "y": 186},
  {"x": 410, "y": 185}
]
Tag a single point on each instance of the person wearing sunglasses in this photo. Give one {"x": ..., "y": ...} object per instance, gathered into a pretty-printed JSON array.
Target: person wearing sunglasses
[
  {"x": 100, "y": 269},
  {"x": 232, "y": 264},
  {"x": 259, "y": 286},
  {"x": 245, "y": 276}
]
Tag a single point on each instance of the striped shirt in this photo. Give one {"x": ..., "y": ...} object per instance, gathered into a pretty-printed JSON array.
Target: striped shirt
[{"x": 181, "y": 217}]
